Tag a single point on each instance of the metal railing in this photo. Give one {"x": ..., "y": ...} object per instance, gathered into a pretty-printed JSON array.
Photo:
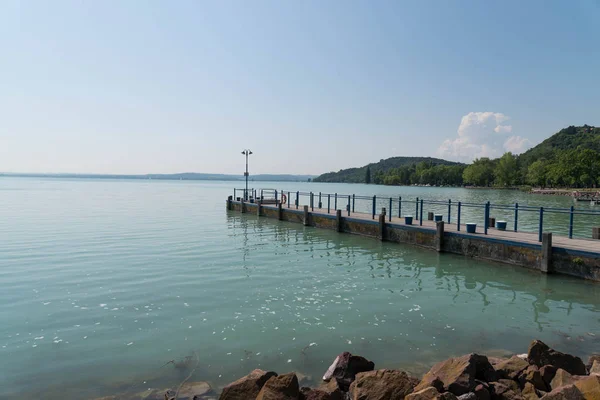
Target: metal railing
[{"x": 524, "y": 218}]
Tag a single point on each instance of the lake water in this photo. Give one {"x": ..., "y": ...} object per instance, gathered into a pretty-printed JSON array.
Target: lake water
[{"x": 106, "y": 281}]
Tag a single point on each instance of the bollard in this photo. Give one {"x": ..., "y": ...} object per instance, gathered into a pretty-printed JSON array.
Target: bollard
[
  {"x": 280, "y": 213},
  {"x": 439, "y": 235},
  {"x": 306, "y": 216},
  {"x": 382, "y": 225},
  {"x": 338, "y": 220},
  {"x": 430, "y": 216},
  {"x": 546, "y": 264},
  {"x": 492, "y": 222},
  {"x": 596, "y": 232}
]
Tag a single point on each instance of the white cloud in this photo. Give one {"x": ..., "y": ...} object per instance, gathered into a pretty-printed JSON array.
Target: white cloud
[
  {"x": 517, "y": 144},
  {"x": 482, "y": 134}
]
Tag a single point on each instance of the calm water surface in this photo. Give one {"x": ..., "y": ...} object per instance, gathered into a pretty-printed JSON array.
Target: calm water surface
[{"x": 106, "y": 281}]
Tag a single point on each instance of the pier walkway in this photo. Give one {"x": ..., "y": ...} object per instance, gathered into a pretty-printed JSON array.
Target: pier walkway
[{"x": 587, "y": 245}]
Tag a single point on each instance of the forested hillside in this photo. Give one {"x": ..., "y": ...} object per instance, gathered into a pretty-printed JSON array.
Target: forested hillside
[{"x": 569, "y": 158}]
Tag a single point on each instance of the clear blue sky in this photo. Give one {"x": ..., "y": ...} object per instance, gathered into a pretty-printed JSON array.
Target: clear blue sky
[{"x": 308, "y": 86}]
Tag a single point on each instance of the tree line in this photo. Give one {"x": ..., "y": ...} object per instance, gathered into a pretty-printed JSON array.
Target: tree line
[{"x": 574, "y": 168}]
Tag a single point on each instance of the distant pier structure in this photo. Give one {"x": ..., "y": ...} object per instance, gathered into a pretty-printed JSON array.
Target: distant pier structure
[{"x": 402, "y": 221}]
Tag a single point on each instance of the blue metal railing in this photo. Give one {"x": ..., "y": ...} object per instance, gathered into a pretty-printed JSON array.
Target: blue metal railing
[{"x": 522, "y": 215}]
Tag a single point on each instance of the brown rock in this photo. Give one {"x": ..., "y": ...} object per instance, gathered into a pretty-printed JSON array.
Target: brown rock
[
  {"x": 590, "y": 363},
  {"x": 505, "y": 389},
  {"x": 595, "y": 369},
  {"x": 540, "y": 354},
  {"x": 459, "y": 374},
  {"x": 315, "y": 394},
  {"x": 333, "y": 388},
  {"x": 348, "y": 366},
  {"x": 569, "y": 392},
  {"x": 561, "y": 378},
  {"x": 533, "y": 376},
  {"x": 383, "y": 384},
  {"x": 247, "y": 387},
  {"x": 481, "y": 392},
  {"x": 548, "y": 372},
  {"x": 511, "y": 368},
  {"x": 429, "y": 393},
  {"x": 529, "y": 392},
  {"x": 589, "y": 386},
  {"x": 282, "y": 387},
  {"x": 446, "y": 396}
]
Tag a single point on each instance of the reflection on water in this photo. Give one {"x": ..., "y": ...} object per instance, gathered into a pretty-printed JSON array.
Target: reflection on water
[{"x": 109, "y": 286}]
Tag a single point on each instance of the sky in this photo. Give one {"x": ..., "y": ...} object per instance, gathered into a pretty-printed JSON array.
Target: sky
[{"x": 128, "y": 87}]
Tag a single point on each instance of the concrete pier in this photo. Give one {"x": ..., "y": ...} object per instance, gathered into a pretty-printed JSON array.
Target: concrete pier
[{"x": 558, "y": 254}]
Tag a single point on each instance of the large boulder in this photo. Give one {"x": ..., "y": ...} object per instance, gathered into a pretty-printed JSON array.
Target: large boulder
[
  {"x": 345, "y": 367},
  {"x": 569, "y": 392},
  {"x": 505, "y": 389},
  {"x": 333, "y": 389},
  {"x": 590, "y": 363},
  {"x": 595, "y": 368},
  {"x": 459, "y": 374},
  {"x": 247, "y": 387},
  {"x": 561, "y": 378},
  {"x": 316, "y": 394},
  {"x": 383, "y": 384},
  {"x": 589, "y": 386},
  {"x": 540, "y": 354},
  {"x": 548, "y": 372},
  {"x": 429, "y": 393},
  {"x": 282, "y": 387},
  {"x": 529, "y": 392},
  {"x": 511, "y": 368},
  {"x": 533, "y": 375}
]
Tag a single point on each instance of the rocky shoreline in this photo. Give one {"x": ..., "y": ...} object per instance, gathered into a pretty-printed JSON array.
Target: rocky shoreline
[{"x": 541, "y": 373}]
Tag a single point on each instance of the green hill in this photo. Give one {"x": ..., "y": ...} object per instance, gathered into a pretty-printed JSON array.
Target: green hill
[
  {"x": 357, "y": 175},
  {"x": 571, "y": 138}
]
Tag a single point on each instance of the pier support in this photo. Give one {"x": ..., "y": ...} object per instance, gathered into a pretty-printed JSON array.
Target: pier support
[
  {"x": 305, "y": 216},
  {"x": 546, "y": 264},
  {"x": 279, "y": 212},
  {"x": 439, "y": 235},
  {"x": 229, "y": 200},
  {"x": 338, "y": 220},
  {"x": 258, "y": 208},
  {"x": 382, "y": 225},
  {"x": 243, "y": 206}
]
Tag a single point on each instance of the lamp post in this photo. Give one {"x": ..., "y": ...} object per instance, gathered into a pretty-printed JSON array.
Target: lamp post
[{"x": 246, "y": 152}]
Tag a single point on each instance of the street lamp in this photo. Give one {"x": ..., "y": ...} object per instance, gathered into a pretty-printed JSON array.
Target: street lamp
[{"x": 246, "y": 152}]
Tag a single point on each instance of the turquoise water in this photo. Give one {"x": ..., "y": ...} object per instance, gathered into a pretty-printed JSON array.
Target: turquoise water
[{"x": 104, "y": 282}]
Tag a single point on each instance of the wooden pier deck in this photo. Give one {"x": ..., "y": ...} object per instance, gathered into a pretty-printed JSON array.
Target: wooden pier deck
[{"x": 586, "y": 245}]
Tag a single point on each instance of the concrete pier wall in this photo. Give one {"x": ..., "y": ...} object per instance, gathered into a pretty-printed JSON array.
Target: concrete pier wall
[{"x": 575, "y": 263}]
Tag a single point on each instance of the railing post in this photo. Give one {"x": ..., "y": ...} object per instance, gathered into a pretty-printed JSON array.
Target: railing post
[
  {"x": 320, "y": 202},
  {"x": 458, "y": 218},
  {"x": 400, "y": 207},
  {"x": 487, "y": 218},
  {"x": 328, "y": 203},
  {"x": 353, "y": 201},
  {"x": 348, "y": 205},
  {"x": 541, "y": 224},
  {"x": 312, "y": 201},
  {"x": 335, "y": 202},
  {"x": 374, "y": 204},
  {"x": 571, "y": 222},
  {"x": 234, "y": 190},
  {"x": 276, "y": 197},
  {"x": 421, "y": 216},
  {"x": 297, "y": 199},
  {"x": 516, "y": 215},
  {"x": 449, "y": 209},
  {"x": 417, "y": 208},
  {"x": 390, "y": 210},
  {"x": 289, "y": 199}
]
